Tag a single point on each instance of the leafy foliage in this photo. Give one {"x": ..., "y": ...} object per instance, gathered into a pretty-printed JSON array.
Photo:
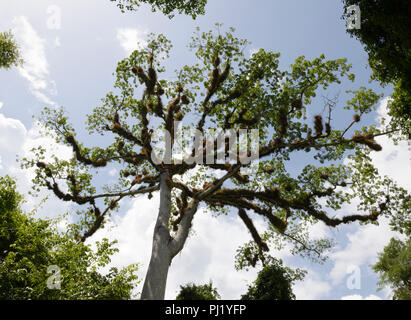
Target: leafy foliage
[
  {"x": 274, "y": 282},
  {"x": 28, "y": 246},
  {"x": 394, "y": 267},
  {"x": 168, "y": 7},
  {"x": 9, "y": 52},
  {"x": 297, "y": 237},
  {"x": 384, "y": 31},
  {"x": 226, "y": 91},
  {"x": 192, "y": 291}
]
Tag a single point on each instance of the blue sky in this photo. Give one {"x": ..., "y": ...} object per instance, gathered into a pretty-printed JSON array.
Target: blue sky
[{"x": 70, "y": 63}]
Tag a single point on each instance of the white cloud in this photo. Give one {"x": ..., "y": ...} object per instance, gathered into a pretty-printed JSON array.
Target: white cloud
[
  {"x": 131, "y": 39},
  {"x": 359, "y": 297},
  {"x": 320, "y": 230},
  {"x": 12, "y": 134},
  {"x": 364, "y": 242},
  {"x": 112, "y": 172},
  {"x": 313, "y": 287},
  {"x": 15, "y": 140},
  {"x": 361, "y": 250},
  {"x": 1, "y": 104},
  {"x": 393, "y": 160},
  {"x": 35, "y": 68}
]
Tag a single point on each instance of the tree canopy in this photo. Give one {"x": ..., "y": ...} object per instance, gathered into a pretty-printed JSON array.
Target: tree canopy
[
  {"x": 274, "y": 282},
  {"x": 37, "y": 261},
  {"x": 9, "y": 52},
  {"x": 384, "y": 31},
  {"x": 394, "y": 267},
  {"x": 192, "y": 291},
  {"x": 229, "y": 93},
  {"x": 167, "y": 7}
]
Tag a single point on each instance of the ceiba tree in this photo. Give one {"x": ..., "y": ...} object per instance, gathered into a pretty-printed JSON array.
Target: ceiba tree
[{"x": 227, "y": 91}]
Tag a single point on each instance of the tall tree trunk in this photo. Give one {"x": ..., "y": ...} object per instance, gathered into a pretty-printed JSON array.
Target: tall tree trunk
[
  {"x": 156, "y": 278},
  {"x": 165, "y": 247}
]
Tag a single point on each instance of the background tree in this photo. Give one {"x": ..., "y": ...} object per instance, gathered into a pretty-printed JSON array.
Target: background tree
[
  {"x": 9, "y": 52},
  {"x": 168, "y": 7},
  {"x": 226, "y": 91},
  {"x": 394, "y": 267},
  {"x": 384, "y": 31},
  {"x": 274, "y": 282},
  {"x": 28, "y": 246},
  {"x": 192, "y": 291}
]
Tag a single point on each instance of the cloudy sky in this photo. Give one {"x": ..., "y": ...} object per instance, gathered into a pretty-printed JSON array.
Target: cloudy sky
[{"x": 71, "y": 49}]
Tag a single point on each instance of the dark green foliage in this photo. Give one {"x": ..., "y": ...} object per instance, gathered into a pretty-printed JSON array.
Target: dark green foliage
[
  {"x": 9, "y": 212},
  {"x": 198, "y": 292},
  {"x": 28, "y": 246},
  {"x": 385, "y": 33},
  {"x": 274, "y": 282},
  {"x": 400, "y": 107},
  {"x": 168, "y": 7},
  {"x": 394, "y": 267},
  {"x": 9, "y": 53}
]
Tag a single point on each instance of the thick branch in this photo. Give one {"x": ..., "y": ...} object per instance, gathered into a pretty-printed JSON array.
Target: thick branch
[
  {"x": 95, "y": 163},
  {"x": 177, "y": 244},
  {"x": 254, "y": 233}
]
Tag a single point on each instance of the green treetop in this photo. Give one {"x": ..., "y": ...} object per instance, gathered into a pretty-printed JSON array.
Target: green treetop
[
  {"x": 394, "y": 267},
  {"x": 168, "y": 7},
  {"x": 9, "y": 52},
  {"x": 192, "y": 291},
  {"x": 274, "y": 282}
]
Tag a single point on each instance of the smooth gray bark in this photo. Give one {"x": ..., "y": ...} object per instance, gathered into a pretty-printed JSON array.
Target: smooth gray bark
[
  {"x": 156, "y": 278},
  {"x": 165, "y": 247}
]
